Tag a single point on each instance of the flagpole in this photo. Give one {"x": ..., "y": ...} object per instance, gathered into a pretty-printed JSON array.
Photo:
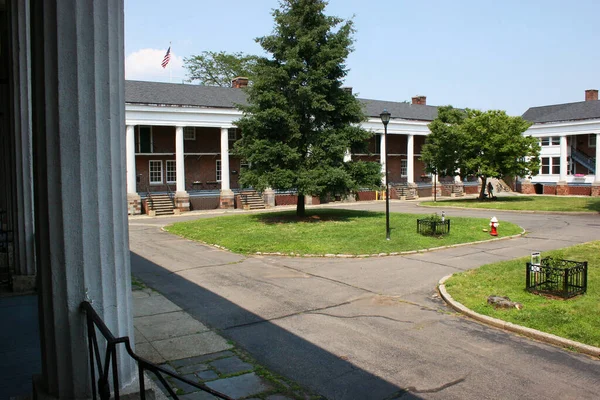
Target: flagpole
[{"x": 170, "y": 68}]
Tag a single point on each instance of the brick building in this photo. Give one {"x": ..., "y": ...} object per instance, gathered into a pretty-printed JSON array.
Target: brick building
[
  {"x": 190, "y": 128},
  {"x": 568, "y": 135}
]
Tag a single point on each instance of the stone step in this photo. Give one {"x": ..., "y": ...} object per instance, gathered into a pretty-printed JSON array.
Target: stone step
[
  {"x": 251, "y": 200},
  {"x": 161, "y": 204}
]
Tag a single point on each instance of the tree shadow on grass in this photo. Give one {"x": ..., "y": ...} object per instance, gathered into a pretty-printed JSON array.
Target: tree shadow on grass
[
  {"x": 499, "y": 200},
  {"x": 313, "y": 216},
  {"x": 594, "y": 205}
]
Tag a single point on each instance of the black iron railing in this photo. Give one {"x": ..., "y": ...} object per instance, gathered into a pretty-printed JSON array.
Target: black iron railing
[
  {"x": 102, "y": 385},
  {"x": 432, "y": 227},
  {"x": 563, "y": 278},
  {"x": 171, "y": 194}
]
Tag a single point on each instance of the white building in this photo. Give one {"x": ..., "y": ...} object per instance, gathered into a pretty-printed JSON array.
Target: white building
[{"x": 568, "y": 134}]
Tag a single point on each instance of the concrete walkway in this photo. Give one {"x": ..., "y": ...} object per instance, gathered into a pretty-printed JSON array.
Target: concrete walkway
[
  {"x": 370, "y": 328},
  {"x": 168, "y": 336}
]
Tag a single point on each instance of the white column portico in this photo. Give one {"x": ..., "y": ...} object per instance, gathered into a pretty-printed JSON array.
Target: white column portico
[
  {"x": 182, "y": 198},
  {"x": 78, "y": 126},
  {"x": 597, "y": 172},
  {"x": 410, "y": 159},
  {"x": 347, "y": 156},
  {"x": 179, "y": 161},
  {"x": 134, "y": 201},
  {"x": 596, "y": 183},
  {"x": 563, "y": 160},
  {"x": 227, "y": 200},
  {"x": 130, "y": 150},
  {"x": 25, "y": 269},
  {"x": 382, "y": 153}
]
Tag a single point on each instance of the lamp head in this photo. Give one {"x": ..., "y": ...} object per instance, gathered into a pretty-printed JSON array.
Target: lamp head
[{"x": 385, "y": 116}]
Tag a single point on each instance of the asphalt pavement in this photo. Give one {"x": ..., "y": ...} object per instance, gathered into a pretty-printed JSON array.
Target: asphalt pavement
[{"x": 371, "y": 328}]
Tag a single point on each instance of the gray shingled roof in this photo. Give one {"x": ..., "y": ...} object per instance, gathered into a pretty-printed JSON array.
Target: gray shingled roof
[
  {"x": 140, "y": 92},
  {"x": 399, "y": 110},
  {"x": 177, "y": 94},
  {"x": 564, "y": 112}
]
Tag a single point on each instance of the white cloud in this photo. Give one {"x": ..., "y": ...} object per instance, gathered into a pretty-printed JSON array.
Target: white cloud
[{"x": 145, "y": 65}]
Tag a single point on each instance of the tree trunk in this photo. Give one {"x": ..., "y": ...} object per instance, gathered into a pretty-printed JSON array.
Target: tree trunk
[
  {"x": 483, "y": 185},
  {"x": 300, "y": 206}
]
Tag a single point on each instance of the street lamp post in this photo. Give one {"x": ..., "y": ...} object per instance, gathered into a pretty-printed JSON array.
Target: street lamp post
[{"x": 385, "y": 118}]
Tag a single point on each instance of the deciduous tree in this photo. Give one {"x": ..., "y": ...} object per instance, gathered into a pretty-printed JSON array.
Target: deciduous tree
[
  {"x": 299, "y": 121},
  {"x": 218, "y": 68},
  {"x": 486, "y": 144}
]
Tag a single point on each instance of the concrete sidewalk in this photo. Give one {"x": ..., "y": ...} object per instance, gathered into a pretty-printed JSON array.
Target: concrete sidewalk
[{"x": 170, "y": 337}]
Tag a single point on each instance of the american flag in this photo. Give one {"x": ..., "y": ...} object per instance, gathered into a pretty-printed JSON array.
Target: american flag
[{"x": 167, "y": 58}]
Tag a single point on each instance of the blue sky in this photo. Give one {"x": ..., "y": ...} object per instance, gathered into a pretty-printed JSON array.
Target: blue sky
[{"x": 485, "y": 54}]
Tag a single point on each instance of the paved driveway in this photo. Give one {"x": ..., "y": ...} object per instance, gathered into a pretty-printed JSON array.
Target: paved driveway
[{"x": 370, "y": 328}]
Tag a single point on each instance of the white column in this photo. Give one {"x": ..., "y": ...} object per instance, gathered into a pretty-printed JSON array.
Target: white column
[
  {"x": 410, "y": 159},
  {"x": 563, "y": 159},
  {"x": 81, "y": 218},
  {"x": 382, "y": 157},
  {"x": 347, "y": 156},
  {"x": 25, "y": 269},
  {"x": 597, "y": 172},
  {"x": 225, "y": 160},
  {"x": 130, "y": 150},
  {"x": 180, "y": 161}
]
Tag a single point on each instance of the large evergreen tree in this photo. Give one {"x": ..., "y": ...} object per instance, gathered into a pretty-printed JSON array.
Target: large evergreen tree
[
  {"x": 300, "y": 121},
  {"x": 484, "y": 144}
]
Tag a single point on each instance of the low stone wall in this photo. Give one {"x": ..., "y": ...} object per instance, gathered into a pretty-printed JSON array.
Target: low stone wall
[
  {"x": 552, "y": 189},
  {"x": 549, "y": 189},
  {"x": 292, "y": 200},
  {"x": 366, "y": 195},
  {"x": 471, "y": 189},
  {"x": 424, "y": 191},
  {"x": 286, "y": 199},
  {"x": 204, "y": 203},
  {"x": 580, "y": 190}
]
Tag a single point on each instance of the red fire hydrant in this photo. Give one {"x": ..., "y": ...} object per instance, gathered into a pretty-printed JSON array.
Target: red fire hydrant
[{"x": 494, "y": 224}]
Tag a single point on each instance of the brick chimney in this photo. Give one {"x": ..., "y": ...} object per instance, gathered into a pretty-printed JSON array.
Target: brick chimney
[
  {"x": 239, "y": 82},
  {"x": 591, "y": 94},
  {"x": 420, "y": 100}
]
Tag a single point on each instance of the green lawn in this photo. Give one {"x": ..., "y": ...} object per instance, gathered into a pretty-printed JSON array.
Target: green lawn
[
  {"x": 577, "y": 318},
  {"x": 532, "y": 203},
  {"x": 327, "y": 231}
]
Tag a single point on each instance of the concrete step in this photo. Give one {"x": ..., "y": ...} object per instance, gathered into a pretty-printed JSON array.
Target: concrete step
[
  {"x": 251, "y": 200},
  {"x": 161, "y": 204}
]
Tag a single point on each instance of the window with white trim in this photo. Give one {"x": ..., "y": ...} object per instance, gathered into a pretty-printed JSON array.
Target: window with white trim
[
  {"x": 189, "y": 133},
  {"x": 404, "y": 167},
  {"x": 171, "y": 167},
  {"x": 550, "y": 166},
  {"x": 156, "y": 172},
  {"x": 232, "y": 134},
  {"x": 218, "y": 171},
  {"x": 592, "y": 140},
  {"x": 550, "y": 141}
]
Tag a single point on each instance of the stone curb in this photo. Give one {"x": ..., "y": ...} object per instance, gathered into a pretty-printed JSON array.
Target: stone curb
[
  {"x": 514, "y": 211},
  {"x": 509, "y": 326},
  {"x": 398, "y": 253}
]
